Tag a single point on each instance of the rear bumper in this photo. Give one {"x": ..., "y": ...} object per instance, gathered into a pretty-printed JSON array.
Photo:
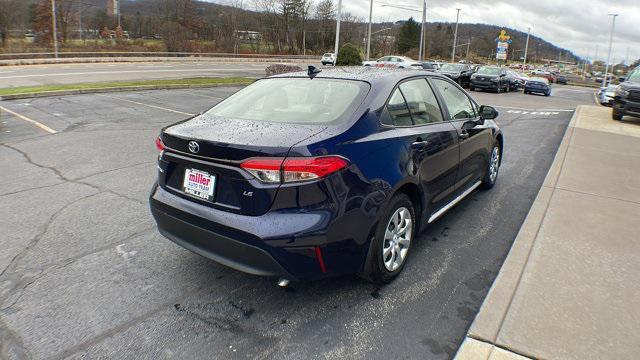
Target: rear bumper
[
  {"x": 536, "y": 90},
  {"x": 222, "y": 249},
  {"x": 294, "y": 245}
]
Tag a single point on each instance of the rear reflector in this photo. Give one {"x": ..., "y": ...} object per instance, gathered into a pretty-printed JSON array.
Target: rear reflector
[
  {"x": 159, "y": 144},
  {"x": 274, "y": 170}
]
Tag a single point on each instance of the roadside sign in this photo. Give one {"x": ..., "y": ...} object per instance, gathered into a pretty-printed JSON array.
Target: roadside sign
[{"x": 503, "y": 41}]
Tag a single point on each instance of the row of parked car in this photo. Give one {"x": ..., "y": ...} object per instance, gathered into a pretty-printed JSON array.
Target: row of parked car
[{"x": 473, "y": 76}]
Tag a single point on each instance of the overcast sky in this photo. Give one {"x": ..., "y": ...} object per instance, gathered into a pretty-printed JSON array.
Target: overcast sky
[{"x": 578, "y": 25}]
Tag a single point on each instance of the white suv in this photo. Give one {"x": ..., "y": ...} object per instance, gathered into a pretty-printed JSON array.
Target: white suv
[{"x": 328, "y": 58}]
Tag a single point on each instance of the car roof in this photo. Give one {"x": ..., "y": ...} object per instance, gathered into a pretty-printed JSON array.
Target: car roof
[{"x": 368, "y": 74}]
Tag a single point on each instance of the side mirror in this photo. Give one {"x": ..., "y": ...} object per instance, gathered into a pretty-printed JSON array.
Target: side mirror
[
  {"x": 622, "y": 79},
  {"x": 488, "y": 112}
]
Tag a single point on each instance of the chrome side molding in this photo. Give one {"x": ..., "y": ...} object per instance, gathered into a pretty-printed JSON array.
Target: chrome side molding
[{"x": 453, "y": 202}]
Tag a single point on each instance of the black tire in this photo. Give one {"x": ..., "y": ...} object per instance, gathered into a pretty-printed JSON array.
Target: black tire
[
  {"x": 488, "y": 181},
  {"x": 616, "y": 115},
  {"x": 377, "y": 272},
  {"x": 526, "y": 92}
]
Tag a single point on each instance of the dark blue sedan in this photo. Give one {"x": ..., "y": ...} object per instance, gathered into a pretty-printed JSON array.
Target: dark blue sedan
[
  {"x": 537, "y": 85},
  {"x": 315, "y": 174}
]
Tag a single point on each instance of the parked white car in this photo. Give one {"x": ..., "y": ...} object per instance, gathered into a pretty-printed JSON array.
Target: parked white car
[
  {"x": 328, "y": 59},
  {"x": 401, "y": 62}
]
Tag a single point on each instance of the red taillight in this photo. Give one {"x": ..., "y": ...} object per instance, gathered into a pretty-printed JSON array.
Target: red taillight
[
  {"x": 264, "y": 169},
  {"x": 274, "y": 170},
  {"x": 159, "y": 144},
  {"x": 301, "y": 169}
]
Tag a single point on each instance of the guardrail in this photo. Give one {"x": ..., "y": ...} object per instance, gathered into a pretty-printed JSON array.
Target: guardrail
[{"x": 77, "y": 54}]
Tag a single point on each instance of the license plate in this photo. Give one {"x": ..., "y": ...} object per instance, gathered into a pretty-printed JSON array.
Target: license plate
[{"x": 199, "y": 184}]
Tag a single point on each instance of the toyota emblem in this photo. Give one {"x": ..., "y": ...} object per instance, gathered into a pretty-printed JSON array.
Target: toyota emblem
[{"x": 194, "y": 147}]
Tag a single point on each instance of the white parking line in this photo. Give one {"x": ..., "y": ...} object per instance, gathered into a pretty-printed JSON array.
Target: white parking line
[
  {"x": 22, "y": 117},
  {"x": 534, "y": 112},
  {"x": 518, "y": 108},
  {"x": 147, "y": 105}
]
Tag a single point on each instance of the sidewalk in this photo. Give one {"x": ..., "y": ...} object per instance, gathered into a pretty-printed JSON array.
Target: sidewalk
[{"x": 570, "y": 286}]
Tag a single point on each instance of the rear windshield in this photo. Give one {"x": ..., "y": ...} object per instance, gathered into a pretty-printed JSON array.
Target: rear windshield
[
  {"x": 294, "y": 100},
  {"x": 327, "y": 55},
  {"x": 489, "y": 71},
  {"x": 539, "y": 79},
  {"x": 452, "y": 67}
]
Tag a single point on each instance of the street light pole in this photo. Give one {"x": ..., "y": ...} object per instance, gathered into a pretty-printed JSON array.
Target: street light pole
[
  {"x": 369, "y": 32},
  {"x": 526, "y": 50},
  {"x": 606, "y": 67},
  {"x": 54, "y": 21},
  {"x": 422, "y": 29},
  {"x": 337, "y": 43},
  {"x": 455, "y": 37}
]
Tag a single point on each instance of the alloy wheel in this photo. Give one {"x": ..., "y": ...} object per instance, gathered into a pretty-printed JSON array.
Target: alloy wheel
[
  {"x": 397, "y": 238},
  {"x": 494, "y": 164}
]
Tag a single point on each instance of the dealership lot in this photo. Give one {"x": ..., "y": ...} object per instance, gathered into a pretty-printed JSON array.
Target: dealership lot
[{"x": 85, "y": 273}]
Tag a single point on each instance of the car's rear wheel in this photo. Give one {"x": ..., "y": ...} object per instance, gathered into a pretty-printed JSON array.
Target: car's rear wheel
[
  {"x": 392, "y": 242},
  {"x": 616, "y": 115},
  {"x": 493, "y": 168}
]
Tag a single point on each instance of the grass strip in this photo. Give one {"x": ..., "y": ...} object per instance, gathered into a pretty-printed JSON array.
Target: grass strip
[{"x": 201, "y": 81}]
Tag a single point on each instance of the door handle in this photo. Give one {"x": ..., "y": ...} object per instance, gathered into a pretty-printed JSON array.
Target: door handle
[
  {"x": 419, "y": 144},
  {"x": 463, "y": 134}
]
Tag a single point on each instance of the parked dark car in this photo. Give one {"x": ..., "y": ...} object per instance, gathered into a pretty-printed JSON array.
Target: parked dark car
[
  {"x": 460, "y": 73},
  {"x": 538, "y": 85},
  {"x": 490, "y": 78},
  {"x": 627, "y": 97},
  {"x": 428, "y": 65},
  {"x": 515, "y": 81},
  {"x": 310, "y": 175},
  {"x": 561, "y": 79}
]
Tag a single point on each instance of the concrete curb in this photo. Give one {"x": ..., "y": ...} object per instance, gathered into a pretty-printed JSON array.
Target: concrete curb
[
  {"x": 488, "y": 322},
  {"x": 14, "y": 62},
  {"x": 112, "y": 90}
]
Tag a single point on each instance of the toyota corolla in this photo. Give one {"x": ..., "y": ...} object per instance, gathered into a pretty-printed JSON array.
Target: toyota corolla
[{"x": 316, "y": 174}]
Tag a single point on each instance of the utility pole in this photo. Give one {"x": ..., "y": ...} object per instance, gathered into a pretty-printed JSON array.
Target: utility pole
[
  {"x": 54, "y": 21},
  {"x": 455, "y": 37},
  {"x": 468, "y": 44},
  {"x": 337, "y": 42},
  {"x": 526, "y": 50},
  {"x": 369, "y": 31},
  {"x": 606, "y": 67},
  {"x": 422, "y": 29},
  {"x": 80, "y": 23},
  {"x": 304, "y": 42}
]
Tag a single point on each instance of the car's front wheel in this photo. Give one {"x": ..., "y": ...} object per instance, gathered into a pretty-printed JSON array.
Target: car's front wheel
[
  {"x": 493, "y": 167},
  {"x": 392, "y": 242},
  {"x": 616, "y": 115}
]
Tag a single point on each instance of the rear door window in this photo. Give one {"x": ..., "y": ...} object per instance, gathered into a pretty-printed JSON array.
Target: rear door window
[{"x": 396, "y": 112}]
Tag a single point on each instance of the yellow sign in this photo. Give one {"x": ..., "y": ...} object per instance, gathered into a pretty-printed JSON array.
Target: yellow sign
[{"x": 503, "y": 37}]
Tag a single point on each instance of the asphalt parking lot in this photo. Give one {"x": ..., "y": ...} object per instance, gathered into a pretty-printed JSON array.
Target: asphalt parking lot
[{"x": 86, "y": 275}]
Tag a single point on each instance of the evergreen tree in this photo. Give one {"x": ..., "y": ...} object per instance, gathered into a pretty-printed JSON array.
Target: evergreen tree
[{"x": 409, "y": 36}]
